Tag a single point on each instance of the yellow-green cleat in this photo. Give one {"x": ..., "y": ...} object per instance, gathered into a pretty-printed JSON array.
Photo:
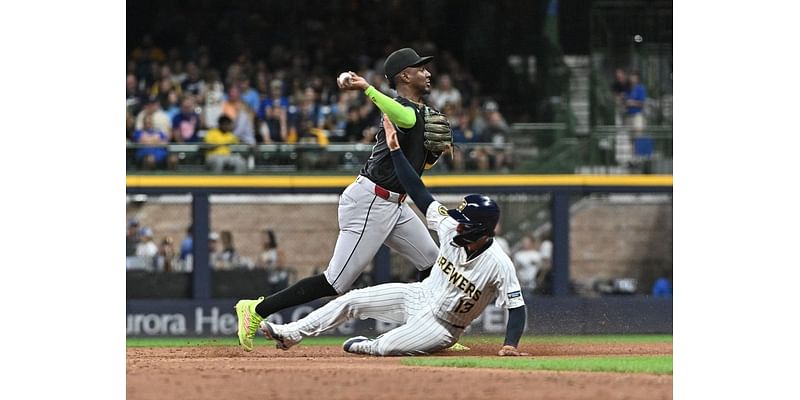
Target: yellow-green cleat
[
  {"x": 248, "y": 322},
  {"x": 457, "y": 347}
]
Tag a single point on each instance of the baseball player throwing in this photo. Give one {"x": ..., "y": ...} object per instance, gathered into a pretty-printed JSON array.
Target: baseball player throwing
[
  {"x": 471, "y": 270},
  {"x": 372, "y": 211}
]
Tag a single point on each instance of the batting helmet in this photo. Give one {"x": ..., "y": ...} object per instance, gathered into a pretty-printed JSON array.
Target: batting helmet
[{"x": 479, "y": 215}]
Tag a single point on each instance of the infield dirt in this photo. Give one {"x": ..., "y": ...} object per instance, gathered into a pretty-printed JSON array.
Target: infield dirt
[{"x": 326, "y": 372}]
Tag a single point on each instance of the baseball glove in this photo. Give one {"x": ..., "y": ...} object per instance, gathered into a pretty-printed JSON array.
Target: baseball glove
[{"x": 438, "y": 136}]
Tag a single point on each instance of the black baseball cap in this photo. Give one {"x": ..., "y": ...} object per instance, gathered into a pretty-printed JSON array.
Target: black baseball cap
[{"x": 402, "y": 59}]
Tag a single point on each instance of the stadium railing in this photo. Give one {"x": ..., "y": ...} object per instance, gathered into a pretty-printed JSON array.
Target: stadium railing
[{"x": 544, "y": 148}]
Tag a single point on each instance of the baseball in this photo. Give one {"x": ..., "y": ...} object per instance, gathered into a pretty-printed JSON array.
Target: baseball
[{"x": 344, "y": 78}]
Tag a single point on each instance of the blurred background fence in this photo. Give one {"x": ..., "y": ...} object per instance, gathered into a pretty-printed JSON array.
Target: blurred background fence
[{"x": 543, "y": 148}]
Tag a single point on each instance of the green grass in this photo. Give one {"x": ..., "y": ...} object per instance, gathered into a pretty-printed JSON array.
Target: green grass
[
  {"x": 574, "y": 339},
  {"x": 467, "y": 340},
  {"x": 661, "y": 364},
  {"x": 629, "y": 364}
]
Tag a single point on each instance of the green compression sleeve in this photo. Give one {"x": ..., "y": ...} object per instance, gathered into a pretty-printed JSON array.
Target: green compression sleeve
[{"x": 404, "y": 117}]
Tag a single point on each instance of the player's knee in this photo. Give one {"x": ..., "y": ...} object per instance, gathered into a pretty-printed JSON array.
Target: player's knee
[
  {"x": 342, "y": 286},
  {"x": 430, "y": 257},
  {"x": 338, "y": 286}
]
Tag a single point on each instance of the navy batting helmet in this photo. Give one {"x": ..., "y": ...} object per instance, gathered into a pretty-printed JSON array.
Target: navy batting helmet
[{"x": 479, "y": 215}]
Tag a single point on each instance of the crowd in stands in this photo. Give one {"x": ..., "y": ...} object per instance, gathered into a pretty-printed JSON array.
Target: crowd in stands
[
  {"x": 532, "y": 259},
  {"x": 531, "y": 256},
  {"x": 178, "y": 97},
  {"x": 144, "y": 253}
]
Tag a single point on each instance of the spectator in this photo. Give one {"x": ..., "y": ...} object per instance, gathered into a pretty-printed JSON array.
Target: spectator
[
  {"x": 619, "y": 89},
  {"x": 489, "y": 126},
  {"x": 228, "y": 257},
  {"x": 501, "y": 241},
  {"x": 308, "y": 120},
  {"x": 354, "y": 127},
  {"x": 214, "y": 253},
  {"x": 163, "y": 87},
  {"x": 445, "y": 93},
  {"x": 219, "y": 157},
  {"x": 133, "y": 96},
  {"x": 153, "y": 156},
  {"x": 166, "y": 259},
  {"x": 132, "y": 238},
  {"x": 147, "y": 250},
  {"x": 546, "y": 247},
  {"x": 186, "y": 255},
  {"x": 274, "y": 112},
  {"x": 463, "y": 138},
  {"x": 176, "y": 67},
  {"x": 193, "y": 84},
  {"x": 480, "y": 115},
  {"x": 662, "y": 287},
  {"x": 249, "y": 95},
  {"x": 186, "y": 124},
  {"x": 130, "y": 126},
  {"x": 241, "y": 115},
  {"x": 170, "y": 104},
  {"x": 161, "y": 120},
  {"x": 270, "y": 257},
  {"x": 635, "y": 101},
  {"x": 496, "y": 131},
  {"x": 528, "y": 261},
  {"x": 634, "y": 105},
  {"x": 213, "y": 95}
]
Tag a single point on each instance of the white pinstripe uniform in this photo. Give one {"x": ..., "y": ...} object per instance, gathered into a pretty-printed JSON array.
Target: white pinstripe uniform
[{"x": 434, "y": 312}]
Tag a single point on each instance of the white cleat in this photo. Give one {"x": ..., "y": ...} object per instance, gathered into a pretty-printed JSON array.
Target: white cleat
[
  {"x": 353, "y": 345},
  {"x": 283, "y": 338}
]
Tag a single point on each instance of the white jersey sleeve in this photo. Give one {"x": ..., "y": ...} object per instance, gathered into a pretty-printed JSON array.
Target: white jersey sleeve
[
  {"x": 441, "y": 222},
  {"x": 509, "y": 292}
]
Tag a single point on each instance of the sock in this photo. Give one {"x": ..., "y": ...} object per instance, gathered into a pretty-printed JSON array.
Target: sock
[{"x": 302, "y": 292}]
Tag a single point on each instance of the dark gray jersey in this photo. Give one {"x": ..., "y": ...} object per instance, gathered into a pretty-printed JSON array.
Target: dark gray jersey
[{"x": 379, "y": 167}]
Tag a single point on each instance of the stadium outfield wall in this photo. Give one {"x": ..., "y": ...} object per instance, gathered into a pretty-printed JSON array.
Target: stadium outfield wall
[{"x": 546, "y": 316}]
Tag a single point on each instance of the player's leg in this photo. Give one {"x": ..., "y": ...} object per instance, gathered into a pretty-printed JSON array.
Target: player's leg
[
  {"x": 363, "y": 222},
  {"x": 391, "y": 302},
  {"x": 422, "y": 334},
  {"x": 411, "y": 238}
]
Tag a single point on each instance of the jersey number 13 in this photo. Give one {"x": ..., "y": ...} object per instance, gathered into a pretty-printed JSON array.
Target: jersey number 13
[{"x": 463, "y": 306}]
